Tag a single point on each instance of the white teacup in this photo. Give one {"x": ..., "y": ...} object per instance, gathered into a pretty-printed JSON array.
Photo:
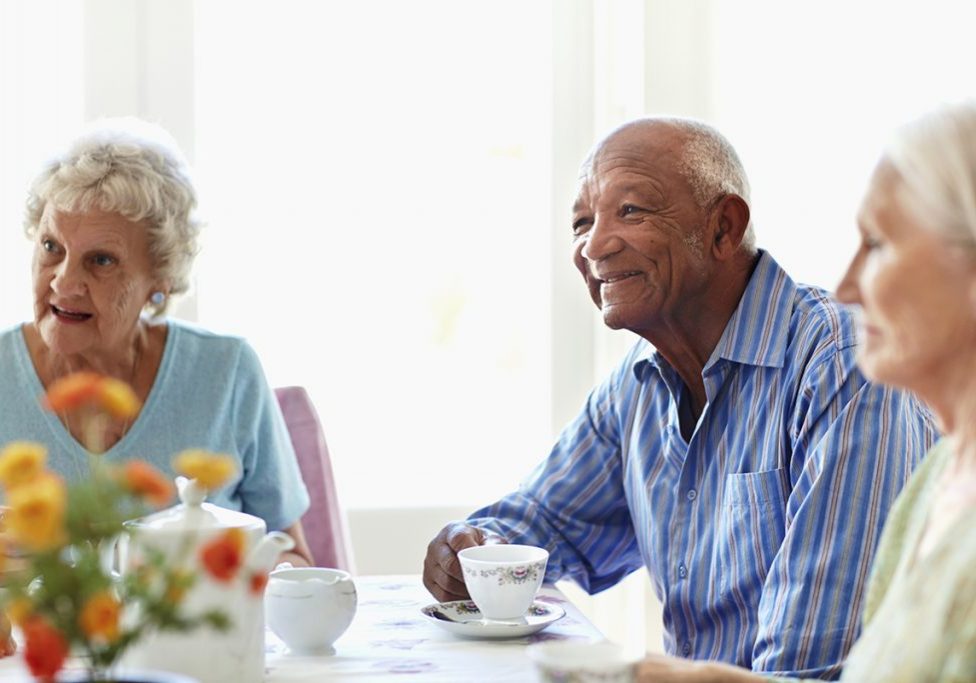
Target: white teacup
[
  {"x": 309, "y": 607},
  {"x": 503, "y": 579},
  {"x": 596, "y": 662}
]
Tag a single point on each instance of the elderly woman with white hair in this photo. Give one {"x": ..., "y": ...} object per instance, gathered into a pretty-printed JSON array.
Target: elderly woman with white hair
[
  {"x": 914, "y": 280},
  {"x": 114, "y": 234}
]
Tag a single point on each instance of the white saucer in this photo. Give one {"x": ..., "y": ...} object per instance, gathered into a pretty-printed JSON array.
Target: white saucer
[{"x": 463, "y": 618}]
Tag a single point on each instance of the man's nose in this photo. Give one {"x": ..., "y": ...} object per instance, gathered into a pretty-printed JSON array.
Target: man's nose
[{"x": 600, "y": 241}]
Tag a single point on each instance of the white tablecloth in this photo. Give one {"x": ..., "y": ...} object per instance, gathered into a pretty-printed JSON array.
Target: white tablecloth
[{"x": 390, "y": 639}]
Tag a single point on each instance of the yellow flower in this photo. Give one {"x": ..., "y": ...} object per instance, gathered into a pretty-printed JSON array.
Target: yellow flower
[
  {"x": 19, "y": 609},
  {"x": 36, "y": 517},
  {"x": 209, "y": 469},
  {"x": 118, "y": 398},
  {"x": 21, "y": 462},
  {"x": 99, "y": 618}
]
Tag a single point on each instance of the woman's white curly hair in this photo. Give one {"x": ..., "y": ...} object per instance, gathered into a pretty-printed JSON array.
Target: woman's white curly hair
[{"x": 133, "y": 168}]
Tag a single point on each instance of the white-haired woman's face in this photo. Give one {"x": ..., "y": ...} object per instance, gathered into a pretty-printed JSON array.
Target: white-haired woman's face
[
  {"x": 92, "y": 276},
  {"x": 915, "y": 292}
]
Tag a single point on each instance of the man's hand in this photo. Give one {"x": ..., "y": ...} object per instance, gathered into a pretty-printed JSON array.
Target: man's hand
[
  {"x": 442, "y": 571},
  {"x": 663, "y": 669}
]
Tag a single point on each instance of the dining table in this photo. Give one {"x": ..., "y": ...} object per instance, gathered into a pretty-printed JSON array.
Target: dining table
[{"x": 391, "y": 639}]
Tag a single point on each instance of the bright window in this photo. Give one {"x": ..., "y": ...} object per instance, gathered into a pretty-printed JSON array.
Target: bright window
[
  {"x": 809, "y": 94},
  {"x": 41, "y": 93},
  {"x": 375, "y": 178}
]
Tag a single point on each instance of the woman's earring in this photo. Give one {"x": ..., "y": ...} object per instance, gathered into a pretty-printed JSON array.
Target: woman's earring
[{"x": 157, "y": 298}]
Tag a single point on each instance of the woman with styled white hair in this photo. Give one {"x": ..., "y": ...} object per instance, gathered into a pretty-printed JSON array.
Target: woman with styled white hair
[
  {"x": 914, "y": 280},
  {"x": 114, "y": 234}
]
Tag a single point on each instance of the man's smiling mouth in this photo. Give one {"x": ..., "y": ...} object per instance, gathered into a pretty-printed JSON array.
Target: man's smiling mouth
[{"x": 617, "y": 277}]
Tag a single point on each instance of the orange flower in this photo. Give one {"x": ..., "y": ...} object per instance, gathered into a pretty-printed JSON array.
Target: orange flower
[
  {"x": 72, "y": 392},
  {"x": 88, "y": 388},
  {"x": 36, "y": 517},
  {"x": 258, "y": 582},
  {"x": 145, "y": 480},
  {"x": 209, "y": 469},
  {"x": 45, "y": 649},
  {"x": 21, "y": 462},
  {"x": 224, "y": 555},
  {"x": 99, "y": 618}
]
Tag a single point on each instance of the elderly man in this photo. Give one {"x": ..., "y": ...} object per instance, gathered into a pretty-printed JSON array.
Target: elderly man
[{"x": 736, "y": 452}]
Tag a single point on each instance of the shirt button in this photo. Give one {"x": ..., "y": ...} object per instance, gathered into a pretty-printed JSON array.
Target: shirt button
[
  {"x": 686, "y": 648},
  {"x": 682, "y": 571},
  {"x": 692, "y": 494}
]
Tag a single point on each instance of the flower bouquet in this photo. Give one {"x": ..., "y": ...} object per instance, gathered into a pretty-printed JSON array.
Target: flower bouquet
[{"x": 61, "y": 587}]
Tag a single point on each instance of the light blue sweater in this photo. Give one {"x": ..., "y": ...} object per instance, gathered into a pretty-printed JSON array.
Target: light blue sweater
[{"x": 210, "y": 392}]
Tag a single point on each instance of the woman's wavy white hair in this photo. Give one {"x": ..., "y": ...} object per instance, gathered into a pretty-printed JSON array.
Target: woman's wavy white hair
[
  {"x": 133, "y": 168},
  {"x": 936, "y": 157}
]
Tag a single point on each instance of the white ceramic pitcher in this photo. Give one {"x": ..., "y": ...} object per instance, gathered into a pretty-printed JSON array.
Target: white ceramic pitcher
[{"x": 205, "y": 653}]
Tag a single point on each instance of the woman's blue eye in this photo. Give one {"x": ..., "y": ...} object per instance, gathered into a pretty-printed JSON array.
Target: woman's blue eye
[
  {"x": 47, "y": 245},
  {"x": 103, "y": 260}
]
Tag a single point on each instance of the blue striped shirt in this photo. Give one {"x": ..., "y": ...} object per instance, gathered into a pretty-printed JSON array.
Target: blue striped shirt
[{"x": 758, "y": 532}]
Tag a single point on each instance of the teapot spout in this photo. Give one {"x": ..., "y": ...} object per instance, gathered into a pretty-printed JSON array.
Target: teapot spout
[{"x": 266, "y": 552}]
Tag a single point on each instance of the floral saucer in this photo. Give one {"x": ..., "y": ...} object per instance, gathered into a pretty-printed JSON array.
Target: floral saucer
[{"x": 463, "y": 618}]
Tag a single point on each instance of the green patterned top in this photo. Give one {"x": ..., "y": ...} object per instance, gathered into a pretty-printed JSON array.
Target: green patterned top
[{"x": 920, "y": 615}]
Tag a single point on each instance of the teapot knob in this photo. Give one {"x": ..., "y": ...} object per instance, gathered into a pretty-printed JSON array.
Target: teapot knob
[{"x": 190, "y": 492}]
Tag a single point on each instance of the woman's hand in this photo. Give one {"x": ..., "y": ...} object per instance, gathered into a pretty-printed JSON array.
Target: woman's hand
[{"x": 662, "y": 669}]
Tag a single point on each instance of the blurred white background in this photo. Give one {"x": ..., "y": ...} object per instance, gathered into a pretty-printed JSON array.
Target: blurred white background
[{"x": 386, "y": 186}]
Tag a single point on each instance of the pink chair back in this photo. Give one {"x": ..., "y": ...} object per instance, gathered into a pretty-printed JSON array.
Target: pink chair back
[{"x": 324, "y": 522}]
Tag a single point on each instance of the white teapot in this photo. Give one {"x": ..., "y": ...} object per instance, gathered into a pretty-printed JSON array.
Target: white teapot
[{"x": 179, "y": 532}]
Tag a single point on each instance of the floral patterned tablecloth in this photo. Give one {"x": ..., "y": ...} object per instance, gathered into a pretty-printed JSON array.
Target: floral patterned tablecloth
[{"x": 390, "y": 639}]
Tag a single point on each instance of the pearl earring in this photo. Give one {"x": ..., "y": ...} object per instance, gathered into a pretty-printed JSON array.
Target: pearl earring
[{"x": 157, "y": 298}]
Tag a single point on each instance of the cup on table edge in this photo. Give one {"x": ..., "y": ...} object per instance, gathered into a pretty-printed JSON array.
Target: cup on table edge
[
  {"x": 503, "y": 579},
  {"x": 600, "y": 661}
]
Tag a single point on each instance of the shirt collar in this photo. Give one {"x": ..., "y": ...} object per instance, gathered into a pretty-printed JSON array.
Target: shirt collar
[{"x": 758, "y": 331}]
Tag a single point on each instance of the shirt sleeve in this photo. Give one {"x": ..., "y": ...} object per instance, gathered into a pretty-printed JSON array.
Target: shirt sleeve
[
  {"x": 573, "y": 503},
  {"x": 855, "y": 445},
  {"x": 271, "y": 485}
]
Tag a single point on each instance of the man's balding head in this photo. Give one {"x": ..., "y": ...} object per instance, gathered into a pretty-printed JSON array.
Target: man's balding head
[{"x": 702, "y": 156}]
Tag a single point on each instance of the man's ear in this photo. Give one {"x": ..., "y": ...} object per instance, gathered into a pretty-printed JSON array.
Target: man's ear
[{"x": 732, "y": 216}]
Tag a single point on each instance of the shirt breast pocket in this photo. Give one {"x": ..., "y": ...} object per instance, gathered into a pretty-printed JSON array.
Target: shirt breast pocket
[{"x": 751, "y": 529}]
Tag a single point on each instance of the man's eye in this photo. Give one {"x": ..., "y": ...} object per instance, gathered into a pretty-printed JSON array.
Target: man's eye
[
  {"x": 628, "y": 209},
  {"x": 580, "y": 226}
]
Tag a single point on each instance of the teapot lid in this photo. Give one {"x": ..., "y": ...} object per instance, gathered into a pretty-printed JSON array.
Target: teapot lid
[{"x": 194, "y": 513}]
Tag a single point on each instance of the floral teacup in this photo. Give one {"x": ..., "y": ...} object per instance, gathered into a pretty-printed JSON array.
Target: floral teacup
[{"x": 503, "y": 579}]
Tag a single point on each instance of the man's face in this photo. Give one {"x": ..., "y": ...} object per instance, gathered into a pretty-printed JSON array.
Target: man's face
[{"x": 640, "y": 238}]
